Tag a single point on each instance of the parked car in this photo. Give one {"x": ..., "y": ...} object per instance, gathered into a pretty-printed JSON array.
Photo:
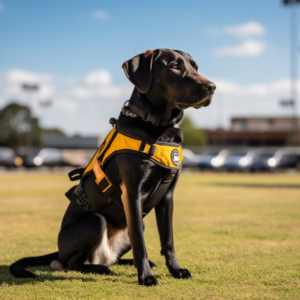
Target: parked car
[
  {"x": 228, "y": 159},
  {"x": 8, "y": 158},
  {"x": 206, "y": 160},
  {"x": 286, "y": 158},
  {"x": 260, "y": 162},
  {"x": 256, "y": 159},
  {"x": 49, "y": 157},
  {"x": 190, "y": 158}
]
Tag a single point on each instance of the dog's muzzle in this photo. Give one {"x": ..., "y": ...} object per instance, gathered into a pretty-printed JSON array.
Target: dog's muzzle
[{"x": 194, "y": 100}]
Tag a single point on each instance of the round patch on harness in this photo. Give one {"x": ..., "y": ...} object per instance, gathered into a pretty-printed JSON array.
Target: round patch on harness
[{"x": 175, "y": 157}]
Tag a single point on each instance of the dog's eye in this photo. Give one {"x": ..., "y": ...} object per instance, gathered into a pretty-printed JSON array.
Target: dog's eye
[{"x": 175, "y": 67}]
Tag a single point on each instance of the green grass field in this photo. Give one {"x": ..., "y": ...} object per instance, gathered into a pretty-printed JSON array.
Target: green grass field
[{"x": 239, "y": 235}]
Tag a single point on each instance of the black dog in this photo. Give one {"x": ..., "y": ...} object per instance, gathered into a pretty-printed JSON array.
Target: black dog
[{"x": 166, "y": 82}]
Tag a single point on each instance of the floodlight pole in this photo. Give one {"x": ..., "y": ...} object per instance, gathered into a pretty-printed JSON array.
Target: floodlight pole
[
  {"x": 294, "y": 52},
  {"x": 29, "y": 134},
  {"x": 45, "y": 104},
  {"x": 293, "y": 69}
]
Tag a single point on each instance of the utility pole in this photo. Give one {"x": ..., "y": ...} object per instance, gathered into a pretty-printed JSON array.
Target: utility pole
[
  {"x": 45, "y": 104},
  {"x": 293, "y": 68},
  {"x": 29, "y": 88}
]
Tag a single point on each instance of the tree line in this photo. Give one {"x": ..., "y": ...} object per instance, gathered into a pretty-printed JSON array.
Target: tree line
[{"x": 15, "y": 121}]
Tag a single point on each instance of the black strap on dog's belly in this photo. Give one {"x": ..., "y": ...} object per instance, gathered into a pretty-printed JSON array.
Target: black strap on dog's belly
[
  {"x": 151, "y": 202},
  {"x": 70, "y": 192},
  {"x": 115, "y": 211}
]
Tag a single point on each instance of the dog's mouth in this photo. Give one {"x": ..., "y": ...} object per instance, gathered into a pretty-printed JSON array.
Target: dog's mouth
[{"x": 193, "y": 100}]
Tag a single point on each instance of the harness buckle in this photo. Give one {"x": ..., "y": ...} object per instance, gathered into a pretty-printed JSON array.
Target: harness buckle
[
  {"x": 145, "y": 115},
  {"x": 150, "y": 118},
  {"x": 152, "y": 150},
  {"x": 168, "y": 177},
  {"x": 76, "y": 174}
]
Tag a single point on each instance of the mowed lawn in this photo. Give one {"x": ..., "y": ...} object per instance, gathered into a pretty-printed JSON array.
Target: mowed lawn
[{"x": 238, "y": 234}]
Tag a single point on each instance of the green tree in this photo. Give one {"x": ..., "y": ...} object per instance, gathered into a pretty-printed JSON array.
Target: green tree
[
  {"x": 191, "y": 135},
  {"x": 53, "y": 131},
  {"x": 15, "y": 121}
]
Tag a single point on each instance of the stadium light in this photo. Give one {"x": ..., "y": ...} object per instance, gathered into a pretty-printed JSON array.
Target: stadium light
[
  {"x": 29, "y": 88},
  {"x": 286, "y": 2},
  {"x": 293, "y": 68},
  {"x": 287, "y": 103}
]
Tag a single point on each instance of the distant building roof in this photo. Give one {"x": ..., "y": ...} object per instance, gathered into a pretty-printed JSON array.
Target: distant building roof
[
  {"x": 259, "y": 124},
  {"x": 61, "y": 142}
]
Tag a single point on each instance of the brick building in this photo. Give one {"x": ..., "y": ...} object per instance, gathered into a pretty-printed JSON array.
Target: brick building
[{"x": 256, "y": 131}]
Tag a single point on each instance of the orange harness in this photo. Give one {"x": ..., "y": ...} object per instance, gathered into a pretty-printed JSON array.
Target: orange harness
[{"x": 168, "y": 156}]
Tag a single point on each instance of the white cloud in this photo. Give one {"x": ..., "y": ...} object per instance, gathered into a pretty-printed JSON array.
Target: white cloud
[
  {"x": 93, "y": 98},
  {"x": 101, "y": 77},
  {"x": 245, "y": 30},
  {"x": 11, "y": 85},
  {"x": 69, "y": 81},
  {"x": 21, "y": 76},
  {"x": 15, "y": 91},
  {"x": 273, "y": 89},
  {"x": 100, "y": 14},
  {"x": 99, "y": 85},
  {"x": 1, "y": 7},
  {"x": 246, "y": 48},
  {"x": 103, "y": 92},
  {"x": 234, "y": 99},
  {"x": 85, "y": 107},
  {"x": 66, "y": 105}
]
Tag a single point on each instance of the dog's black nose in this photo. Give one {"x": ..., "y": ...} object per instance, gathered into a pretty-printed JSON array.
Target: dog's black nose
[{"x": 209, "y": 86}]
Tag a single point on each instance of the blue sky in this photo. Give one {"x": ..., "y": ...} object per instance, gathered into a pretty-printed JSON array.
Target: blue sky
[{"x": 75, "y": 49}]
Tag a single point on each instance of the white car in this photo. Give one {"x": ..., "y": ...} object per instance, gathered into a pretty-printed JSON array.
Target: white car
[
  {"x": 285, "y": 158},
  {"x": 190, "y": 158}
]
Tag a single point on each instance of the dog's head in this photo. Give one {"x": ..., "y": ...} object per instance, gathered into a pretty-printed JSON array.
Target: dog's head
[{"x": 169, "y": 75}]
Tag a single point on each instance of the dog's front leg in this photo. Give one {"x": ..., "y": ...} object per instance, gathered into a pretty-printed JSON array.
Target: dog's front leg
[
  {"x": 133, "y": 212},
  {"x": 164, "y": 218}
]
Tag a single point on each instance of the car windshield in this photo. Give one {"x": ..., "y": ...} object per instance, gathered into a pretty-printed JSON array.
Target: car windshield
[
  {"x": 53, "y": 153},
  {"x": 265, "y": 155},
  {"x": 6, "y": 152},
  {"x": 288, "y": 157}
]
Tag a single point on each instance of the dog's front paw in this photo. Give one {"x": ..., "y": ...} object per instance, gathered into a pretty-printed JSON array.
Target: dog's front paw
[
  {"x": 181, "y": 273},
  {"x": 148, "y": 281}
]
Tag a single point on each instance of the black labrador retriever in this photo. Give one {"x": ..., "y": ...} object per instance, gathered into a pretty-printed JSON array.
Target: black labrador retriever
[{"x": 166, "y": 82}]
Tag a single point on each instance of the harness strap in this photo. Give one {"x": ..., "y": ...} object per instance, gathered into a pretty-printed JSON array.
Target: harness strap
[
  {"x": 76, "y": 174},
  {"x": 159, "y": 193},
  {"x": 81, "y": 197},
  {"x": 115, "y": 211},
  {"x": 147, "y": 116}
]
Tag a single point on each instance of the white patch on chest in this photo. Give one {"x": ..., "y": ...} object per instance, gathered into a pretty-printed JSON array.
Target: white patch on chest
[{"x": 109, "y": 250}]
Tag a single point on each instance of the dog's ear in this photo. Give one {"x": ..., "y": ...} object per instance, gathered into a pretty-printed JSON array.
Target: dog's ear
[{"x": 139, "y": 70}]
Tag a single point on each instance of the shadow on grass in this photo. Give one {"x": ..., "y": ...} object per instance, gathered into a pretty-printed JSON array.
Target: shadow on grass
[
  {"x": 7, "y": 278},
  {"x": 258, "y": 185}
]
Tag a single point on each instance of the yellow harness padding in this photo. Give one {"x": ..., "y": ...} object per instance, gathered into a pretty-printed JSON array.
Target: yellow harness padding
[{"x": 167, "y": 156}]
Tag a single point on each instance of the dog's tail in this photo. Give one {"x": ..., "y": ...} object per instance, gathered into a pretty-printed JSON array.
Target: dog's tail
[{"x": 18, "y": 268}]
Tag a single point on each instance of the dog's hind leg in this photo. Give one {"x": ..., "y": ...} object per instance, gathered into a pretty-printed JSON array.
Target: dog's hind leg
[
  {"x": 78, "y": 241},
  {"x": 130, "y": 262}
]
